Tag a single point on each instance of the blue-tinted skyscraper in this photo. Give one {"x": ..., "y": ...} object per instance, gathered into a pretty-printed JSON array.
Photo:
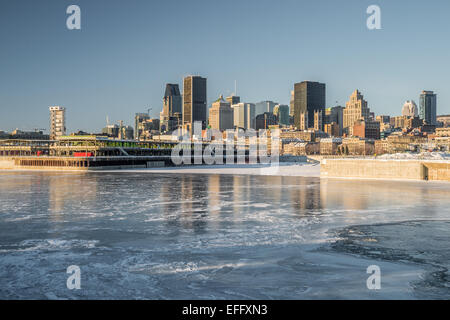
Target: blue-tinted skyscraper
[{"x": 428, "y": 107}]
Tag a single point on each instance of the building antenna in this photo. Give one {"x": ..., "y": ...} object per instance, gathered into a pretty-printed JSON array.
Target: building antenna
[
  {"x": 107, "y": 120},
  {"x": 235, "y": 88}
]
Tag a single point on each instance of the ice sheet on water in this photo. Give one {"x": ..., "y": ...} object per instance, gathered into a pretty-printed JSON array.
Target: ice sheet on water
[{"x": 424, "y": 243}]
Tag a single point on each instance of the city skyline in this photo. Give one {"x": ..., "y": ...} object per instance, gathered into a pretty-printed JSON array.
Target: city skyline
[{"x": 86, "y": 72}]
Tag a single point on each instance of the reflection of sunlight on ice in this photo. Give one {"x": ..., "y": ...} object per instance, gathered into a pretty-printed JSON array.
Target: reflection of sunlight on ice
[{"x": 189, "y": 267}]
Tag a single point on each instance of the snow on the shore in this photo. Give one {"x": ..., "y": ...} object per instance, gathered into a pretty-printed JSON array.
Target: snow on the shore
[{"x": 417, "y": 156}]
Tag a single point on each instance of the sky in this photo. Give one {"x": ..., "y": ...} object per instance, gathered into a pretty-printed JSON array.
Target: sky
[{"x": 126, "y": 51}]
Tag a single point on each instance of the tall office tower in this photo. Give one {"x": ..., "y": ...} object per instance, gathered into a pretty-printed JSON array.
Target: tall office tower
[
  {"x": 244, "y": 115},
  {"x": 170, "y": 116},
  {"x": 194, "y": 100},
  {"x": 221, "y": 115},
  {"x": 355, "y": 109},
  {"x": 57, "y": 121},
  {"x": 410, "y": 109},
  {"x": 282, "y": 113},
  {"x": 139, "y": 124},
  {"x": 428, "y": 107},
  {"x": 233, "y": 99},
  {"x": 291, "y": 104},
  {"x": 308, "y": 97},
  {"x": 264, "y": 106}
]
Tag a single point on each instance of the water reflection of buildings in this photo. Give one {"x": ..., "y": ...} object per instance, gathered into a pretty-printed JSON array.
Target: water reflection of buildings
[
  {"x": 70, "y": 190},
  {"x": 342, "y": 194},
  {"x": 193, "y": 203},
  {"x": 358, "y": 195},
  {"x": 197, "y": 201},
  {"x": 306, "y": 196},
  {"x": 241, "y": 196}
]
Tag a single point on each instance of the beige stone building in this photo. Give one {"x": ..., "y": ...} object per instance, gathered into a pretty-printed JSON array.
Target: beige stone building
[
  {"x": 318, "y": 120},
  {"x": 301, "y": 148},
  {"x": 358, "y": 146},
  {"x": 381, "y": 146},
  {"x": 404, "y": 143},
  {"x": 445, "y": 119},
  {"x": 221, "y": 115},
  {"x": 355, "y": 109},
  {"x": 298, "y": 135},
  {"x": 303, "y": 121},
  {"x": 443, "y": 132},
  {"x": 329, "y": 146}
]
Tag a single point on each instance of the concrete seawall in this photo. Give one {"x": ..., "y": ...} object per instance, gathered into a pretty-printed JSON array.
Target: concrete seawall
[
  {"x": 386, "y": 169},
  {"x": 7, "y": 164}
]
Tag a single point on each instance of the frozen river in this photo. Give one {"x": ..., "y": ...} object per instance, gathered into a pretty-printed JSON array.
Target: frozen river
[{"x": 142, "y": 235}]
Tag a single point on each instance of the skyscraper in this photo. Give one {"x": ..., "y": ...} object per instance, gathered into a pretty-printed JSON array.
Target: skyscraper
[
  {"x": 221, "y": 115},
  {"x": 308, "y": 97},
  {"x": 194, "y": 100},
  {"x": 355, "y": 109},
  {"x": 282, "y": 113},
  {"x": 428, "y": 107},
  {"x": 244, "y": 115},
  {"x": 170, "y": 116},
  {"x": 264, "y": 106},
  {"x": 57, "y": 121}
]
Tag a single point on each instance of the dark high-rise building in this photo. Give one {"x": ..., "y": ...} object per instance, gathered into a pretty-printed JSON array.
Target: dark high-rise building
[
  {"x": 263, "y": 121},
  {"x": 170, "y": 117},
  {"x": 194, "y": 100},
  {"x": 172, "y": 100},
  {"x": 308, "y": 97},
  {"x": 428, "y": 107}
]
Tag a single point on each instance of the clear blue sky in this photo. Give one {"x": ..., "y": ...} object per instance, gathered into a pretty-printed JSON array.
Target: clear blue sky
[{"x": 126, "y": 51}]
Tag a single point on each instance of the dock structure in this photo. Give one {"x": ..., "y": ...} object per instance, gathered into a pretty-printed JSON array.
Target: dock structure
[{"x": 91, "y": 153}]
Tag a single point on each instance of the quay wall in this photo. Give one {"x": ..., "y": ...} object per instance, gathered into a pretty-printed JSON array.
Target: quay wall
[
  {"x": 385, "y": 169},
  {"x": 6, "y": 163}
]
